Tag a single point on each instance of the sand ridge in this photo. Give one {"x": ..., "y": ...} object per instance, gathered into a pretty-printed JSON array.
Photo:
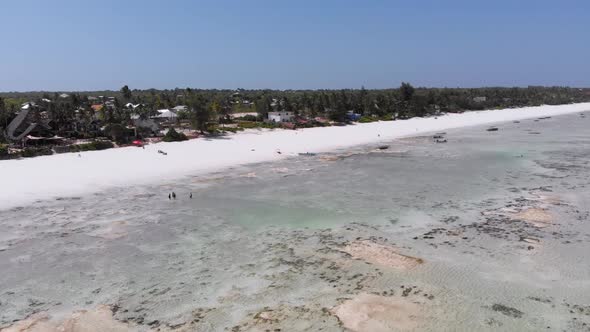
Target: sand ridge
[
  {"x": 99, "y": 319},
  {"x": 536, "y": 216},
  {"x": 369, "y": 312},
  {"x": 379, "y": 254}
]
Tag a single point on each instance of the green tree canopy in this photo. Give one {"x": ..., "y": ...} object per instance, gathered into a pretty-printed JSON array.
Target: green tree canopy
[{"x": 126, "y": 92}]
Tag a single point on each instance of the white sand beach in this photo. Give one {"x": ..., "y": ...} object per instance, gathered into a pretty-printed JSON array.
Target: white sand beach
[{"x": 28, "y": 180}]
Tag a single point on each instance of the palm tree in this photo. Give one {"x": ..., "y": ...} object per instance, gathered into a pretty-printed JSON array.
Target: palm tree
[{"x": 126, "y": 92}]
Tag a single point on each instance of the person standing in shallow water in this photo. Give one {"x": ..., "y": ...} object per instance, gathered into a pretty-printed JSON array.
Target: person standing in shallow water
[
  {"x": 173, "y": 195},
  {"x": 190, "y": 196},
  {"x": 169, "y": 196}
]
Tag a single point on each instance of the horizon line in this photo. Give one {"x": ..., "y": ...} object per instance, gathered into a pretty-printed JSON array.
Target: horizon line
[{"x": 301, "y": 89}]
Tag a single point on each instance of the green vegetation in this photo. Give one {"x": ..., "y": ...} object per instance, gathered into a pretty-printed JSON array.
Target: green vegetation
[
  {"x": 126, "y": 93},
  {"x": 251, "y": 125},
  {"x": 205, "y": 106},
  {"x": 173, "y": 136},
  {"x": 368, "y": 119},
  {"x": 34, "y": 152},
  {"x": 118, "y": 133},
  {"x": 251, "y": 118},
  {"x": 3, "y": 149},
  {"x": 112, "y": 114},
  {"x": 248, "y": 124}
]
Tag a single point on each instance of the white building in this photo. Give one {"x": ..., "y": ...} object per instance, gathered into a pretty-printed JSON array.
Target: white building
[
  {"x": 166, "y": 114},
  {"x": 280, "y": 116},
  {"x": 179, "y": 108},
  {"x": 28, "y": 105},
  {"x": 242, "y": 114},
  {"x": 480, "y": 99}
]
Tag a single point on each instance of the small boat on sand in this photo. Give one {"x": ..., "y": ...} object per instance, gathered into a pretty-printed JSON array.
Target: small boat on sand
[
  {"x": 383, "y": 147},
  {"x": 308, "y": 154}
]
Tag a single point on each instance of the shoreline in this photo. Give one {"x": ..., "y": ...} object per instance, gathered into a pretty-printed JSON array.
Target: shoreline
[{"x": 47, "y": 177}]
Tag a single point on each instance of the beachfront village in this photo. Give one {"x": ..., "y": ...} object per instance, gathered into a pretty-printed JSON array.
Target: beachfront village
[{"x": 41, "y": 123}]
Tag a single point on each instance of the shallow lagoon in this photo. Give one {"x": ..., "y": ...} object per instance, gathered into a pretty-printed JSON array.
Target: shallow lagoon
[{"x": 261, "y": 247}]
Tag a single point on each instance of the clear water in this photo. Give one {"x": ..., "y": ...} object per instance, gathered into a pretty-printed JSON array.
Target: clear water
[{"x": 267, "y": 236}]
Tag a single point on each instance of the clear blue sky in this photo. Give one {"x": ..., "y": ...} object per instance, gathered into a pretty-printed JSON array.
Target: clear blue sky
[{"x": 280, "y": 44}]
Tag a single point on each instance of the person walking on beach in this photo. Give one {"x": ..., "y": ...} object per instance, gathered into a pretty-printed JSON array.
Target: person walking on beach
[
  {"x": 173, "y": 195},
  {"x": 190, "y": 196},
  {"x": 169, "y": 196}
]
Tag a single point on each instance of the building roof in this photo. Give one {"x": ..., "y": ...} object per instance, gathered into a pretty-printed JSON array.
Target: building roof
[
  {"x": 166, "y": 113},
  {"x": 131, "y": 105},
  {"x": 55, "y": 137},
  {"x": 97, "y": 107},
  {"x": 239, "y": 115}
]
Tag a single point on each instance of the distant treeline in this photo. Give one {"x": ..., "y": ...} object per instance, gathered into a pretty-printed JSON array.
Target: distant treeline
[{"x": 206, "y": 106}]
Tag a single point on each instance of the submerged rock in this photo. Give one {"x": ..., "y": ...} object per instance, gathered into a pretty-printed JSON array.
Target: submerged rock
[
  {"x": 508, "y": 311},
  {"x": 531, "y": 240}
]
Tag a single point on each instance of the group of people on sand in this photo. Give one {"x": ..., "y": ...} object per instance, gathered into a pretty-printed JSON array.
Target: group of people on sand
[{"x": 172, "y": 195}]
